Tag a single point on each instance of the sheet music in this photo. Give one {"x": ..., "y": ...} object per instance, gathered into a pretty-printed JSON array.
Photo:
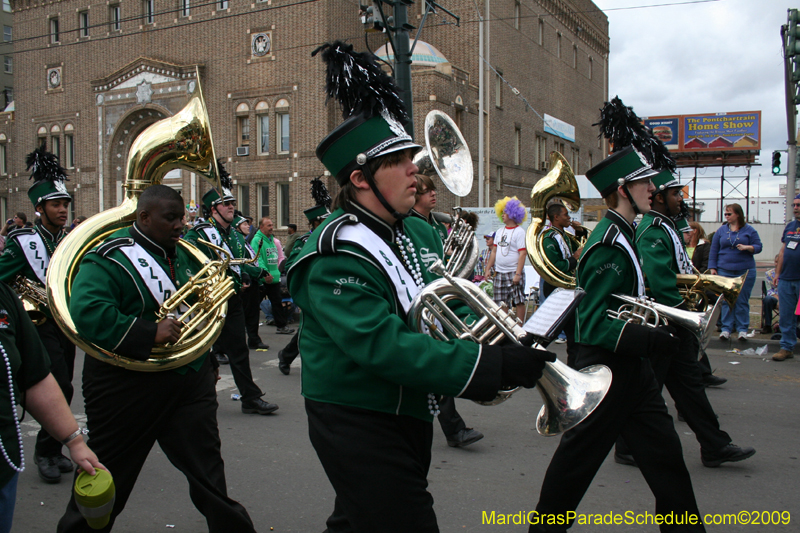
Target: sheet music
[{"x": 547, "y": 321}]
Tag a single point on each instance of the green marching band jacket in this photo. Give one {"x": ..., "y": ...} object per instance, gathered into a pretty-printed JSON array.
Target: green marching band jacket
[
  {"x": 559, "y": 250},
  {"x": 119, "y": 288},
  {"x": 231, "y": 241},
  {"x": 440, "y": 228},
  {"x": 357, "y": 349},
  {"x": 28, "y": 252},
  {"x": 609, "y": 265},
  {"x": 661, "y": 248}
]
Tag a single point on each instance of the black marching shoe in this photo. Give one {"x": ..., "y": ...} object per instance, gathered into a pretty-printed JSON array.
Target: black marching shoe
[
  {"x": 259, "y": 346},
  {"x": 624, "y": 459},
  {"x": 64, "y": 464},
  {"x": 465, "y": 437},
  {"x": 283, "y": 366},
  {"x": 727, "y": 454},
  {"x": 711, "y": 380},
  {"x": 258, "y": 407},
  {"x": 222, "y": 359},
  {"x": 48, "y": 469}
]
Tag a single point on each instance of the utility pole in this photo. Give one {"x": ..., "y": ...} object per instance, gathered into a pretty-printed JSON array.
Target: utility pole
[{"x": 790, "y": 39}]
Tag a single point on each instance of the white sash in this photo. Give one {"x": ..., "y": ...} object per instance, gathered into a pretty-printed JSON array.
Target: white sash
[
  {"x": 36, "y": 253},
  {"x": 565, "y": 253},
  {"x": 150, "y": 272},
  {"x": 684, "y": 264},
  {"x": 402, "y": 281},
  {"x": 214, "y": 237},
  {"x": 622, "y": 240}
]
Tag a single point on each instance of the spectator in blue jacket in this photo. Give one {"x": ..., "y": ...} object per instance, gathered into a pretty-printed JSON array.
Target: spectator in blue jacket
[{"x": 732, "y": 251}]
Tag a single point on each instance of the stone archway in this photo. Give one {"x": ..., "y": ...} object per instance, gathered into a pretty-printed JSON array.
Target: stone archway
[{"x": 125, "y": 132}]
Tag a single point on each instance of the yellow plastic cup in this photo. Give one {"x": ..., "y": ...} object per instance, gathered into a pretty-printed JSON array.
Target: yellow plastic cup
[{"x": 95, "y": 497}]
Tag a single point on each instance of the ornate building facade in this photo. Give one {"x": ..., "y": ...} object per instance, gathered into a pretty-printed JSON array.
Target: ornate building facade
[{"x": 91, "y": 76}]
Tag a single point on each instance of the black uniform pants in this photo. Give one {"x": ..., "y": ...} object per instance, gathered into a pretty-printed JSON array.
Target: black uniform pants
[
  {"x": 635, "y": 409},
  {"x": 292, "y": 350},
  {"x": 128, "y": 411},
  {"x": 62, "y": 365},
  {"x": 378, "y": 465},
  {"x": 273, "y": 292},
  {"x": 449, "y": 418},
  {"x": 251, "y": 298},
  {"x": 682, "y": 376},
  {"x": 232, "y": 341}
]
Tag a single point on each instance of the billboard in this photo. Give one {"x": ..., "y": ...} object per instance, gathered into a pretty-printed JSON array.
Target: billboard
[{"x": 711, "y": 132}]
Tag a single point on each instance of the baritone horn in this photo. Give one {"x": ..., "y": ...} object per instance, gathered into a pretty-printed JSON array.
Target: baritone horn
[
  {"x": 569, "y": 396},
  {"x": 33, "y": 296},
  {"x": 693, "y": 288},
  {"x": 461, "y": 247},
  {"x": 647, "y": 312},
  {"x": 181, "y": 141},
  {"x": 558, "y": 183}
]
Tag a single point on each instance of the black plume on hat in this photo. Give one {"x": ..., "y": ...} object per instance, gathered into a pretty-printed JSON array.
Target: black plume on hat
[
  {"x": 320, "y": 193},
  {"x": 224, "y": 176},
  {"x": 356, "y": 81},
  {"x": 622, "y": 127},
  {"x": 45, "y": 166}
]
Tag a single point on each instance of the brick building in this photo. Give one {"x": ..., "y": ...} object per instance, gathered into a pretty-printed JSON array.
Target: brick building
[{"x": 91, "y": 76}]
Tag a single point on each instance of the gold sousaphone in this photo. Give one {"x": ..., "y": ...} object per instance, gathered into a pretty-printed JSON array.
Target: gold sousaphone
[
  {"x": 181, "y": 141},
  {"x": 558, "y": 183}
]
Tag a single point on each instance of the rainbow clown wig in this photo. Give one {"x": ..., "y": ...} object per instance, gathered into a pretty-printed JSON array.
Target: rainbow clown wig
[{"x": 511, "y": 207}]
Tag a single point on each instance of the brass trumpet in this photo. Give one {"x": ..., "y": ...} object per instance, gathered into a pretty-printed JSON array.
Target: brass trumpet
[{"x": 569, "y": 396}]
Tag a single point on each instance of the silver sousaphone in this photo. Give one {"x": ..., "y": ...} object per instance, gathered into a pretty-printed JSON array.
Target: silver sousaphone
[{"x": 446, "y": 155}]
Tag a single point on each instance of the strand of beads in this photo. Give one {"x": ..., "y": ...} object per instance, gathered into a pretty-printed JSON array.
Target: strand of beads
[
  {"x": 413, "y": 268},
  {"x": 21, "y": 466},
  {"x": 433, "y": 405}
]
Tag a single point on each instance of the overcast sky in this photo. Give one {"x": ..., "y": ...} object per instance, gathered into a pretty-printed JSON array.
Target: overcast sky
[{"x": 688, "y": 57}]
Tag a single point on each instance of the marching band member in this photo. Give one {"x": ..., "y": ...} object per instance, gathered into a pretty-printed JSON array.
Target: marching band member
[
  {"x": 316, "y": 215},
  {"x": 663, "y": 254},
  {"x": 28, "y": 253},
  {"x": 563, "y": 254},
  {"x": 369, "y": 380},
  {"x": 232, "y": 341},
  {"x": 121, "y": 285},
  {"x": 455, "y": 429},
  {"x": 633, "y": 406}
]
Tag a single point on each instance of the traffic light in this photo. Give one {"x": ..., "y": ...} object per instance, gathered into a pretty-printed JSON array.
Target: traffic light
[
  {"x": 371, "y": 18},
  {"x": 793, "y": 53},
  {"x": 776, "y": 162}
]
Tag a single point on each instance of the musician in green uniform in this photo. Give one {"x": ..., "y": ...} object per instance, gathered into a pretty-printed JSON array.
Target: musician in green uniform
[
  {"x": 232, "y": 341},
  {"x": 660, "y": 245},
  {"x": 316, "y": 215},
  {"x": 425, "y": 201},
  {"x": 370, "y": 381},
  {"x": 455, "y": 429},
  {"x": 633, "y": 406},
  {"x": 116, "y": 295},
  {"x": 27, "y": 254}
]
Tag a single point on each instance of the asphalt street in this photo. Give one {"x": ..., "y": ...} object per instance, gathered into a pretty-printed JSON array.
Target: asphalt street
[{"x": 274, "y": 472}]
